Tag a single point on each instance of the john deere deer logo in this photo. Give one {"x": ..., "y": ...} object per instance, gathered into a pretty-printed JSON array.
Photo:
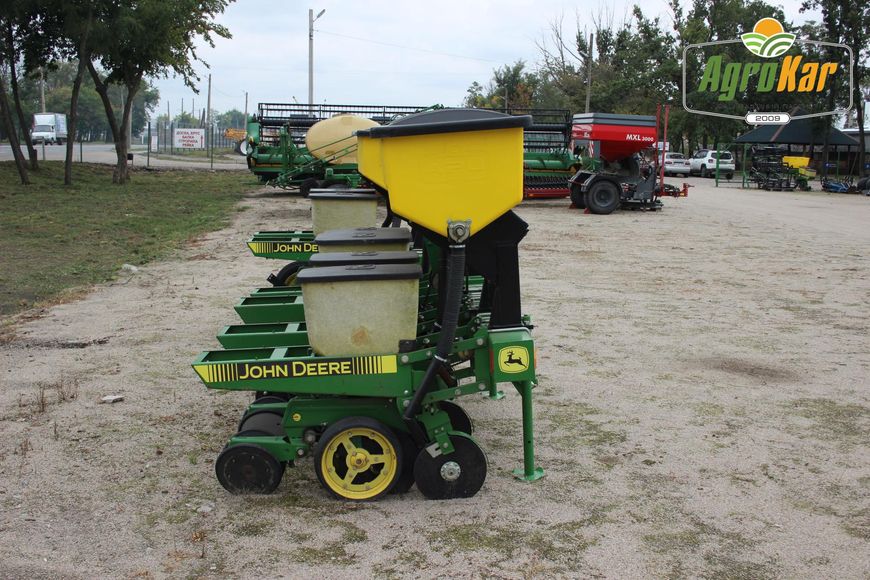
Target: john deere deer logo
[{"x": 513, "y": 359}]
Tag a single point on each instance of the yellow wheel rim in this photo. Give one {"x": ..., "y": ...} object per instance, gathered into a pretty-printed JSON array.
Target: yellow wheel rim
[{"x": 359, "y": 463}]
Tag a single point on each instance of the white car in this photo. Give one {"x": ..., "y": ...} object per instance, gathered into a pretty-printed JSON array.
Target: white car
[
  {"x": 704, "y": 163},
  {"x": 676, "y": 164}
]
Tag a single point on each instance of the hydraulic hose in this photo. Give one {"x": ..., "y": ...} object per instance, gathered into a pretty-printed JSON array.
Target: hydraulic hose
[{"x": 449, "y": 324}]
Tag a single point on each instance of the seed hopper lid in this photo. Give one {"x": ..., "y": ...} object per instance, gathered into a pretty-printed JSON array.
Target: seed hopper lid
[
  {"x": 351, "y": 258},
  {"x": 447, "y": 165},
  {"x": 360, "y": 273},
  {"x": 364, "y": 236},
  {"x": 447, "y": 121},
  {"x": 343, "y": 195}
]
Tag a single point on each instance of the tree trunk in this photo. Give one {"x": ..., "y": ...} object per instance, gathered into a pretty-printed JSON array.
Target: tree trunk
[
  {"x": 13, "y": 138},
  {"x": 121, "y": 174},
  {"x": 860, "y": 115},
  {"x": 16, "y": 96},
  {"x": 73, "y": 119},
  {"x": 84, "y": 57}
]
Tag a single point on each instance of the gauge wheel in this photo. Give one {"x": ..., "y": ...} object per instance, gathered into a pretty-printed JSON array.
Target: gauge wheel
[
  {"x": 268, "y": 399},
  {"x": 358, "y": 459},
  {"x": 307, "y": 185},
  {"x": 286, "y": 276},
  {"x": 459, "y": 474},
  {"x": 405, "y": 481},
  {"x": 265, "y": 420},
  {"x": 248, "y": 469}
]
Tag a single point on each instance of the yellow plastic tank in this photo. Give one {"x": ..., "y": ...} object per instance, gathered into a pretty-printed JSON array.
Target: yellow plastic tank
[
  {"x": 802, "y": 164},
  {"x": 333, "y": 139},
  {"x": 342, "y": 209},
  {"x": 449, "y": 164},
  {"x": 360, "y": 309}
]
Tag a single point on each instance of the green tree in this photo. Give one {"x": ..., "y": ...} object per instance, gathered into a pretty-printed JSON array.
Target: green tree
[
  {"x": 137, "y": 39},
  {"x": 8, "y": 55},
  {"x": 232, "y": 118},
  {"x": 848, "y": 22},
  {"x": 511, "y": 86}
]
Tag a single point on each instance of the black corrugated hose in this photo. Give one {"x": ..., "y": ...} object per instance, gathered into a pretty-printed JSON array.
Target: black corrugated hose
[{"x": 449, "y": 324}]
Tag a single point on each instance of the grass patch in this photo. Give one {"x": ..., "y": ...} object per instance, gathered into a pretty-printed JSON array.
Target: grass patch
[
  {"x": 53, "y": 238},
  {"x": 833, "y": 421}
]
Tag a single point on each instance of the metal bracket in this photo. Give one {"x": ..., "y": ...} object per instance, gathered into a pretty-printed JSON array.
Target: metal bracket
[
  {"x": 458, "y": 231},
  {"x": 433, "y": 450}
]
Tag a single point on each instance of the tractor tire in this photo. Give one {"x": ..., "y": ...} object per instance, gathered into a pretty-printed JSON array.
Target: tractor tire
[
  {"x": 578, "y": 198},
  {"x": 703, "y": 171},
  {"x": 603, "y": 197}
]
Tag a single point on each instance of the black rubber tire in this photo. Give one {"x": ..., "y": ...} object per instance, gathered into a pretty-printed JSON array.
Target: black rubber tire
[
  {"x": 262, "y": 399},
  {"x": 459, "y": 419},
  {"x": 337, "y": 429},
  {"x": 286, "y": 276},
  {"x": 248, "y": 469},
  {"x": 603, "y": 197},
  {"x": 405, "y": 481},
  {"x": 281, "y": 396},
  {"x": 703, "y": 171},
  {"x": 578, "y": 198},
  {"x": 307, "y": 185},
  {"x": 472, "y": 464},
  {"x": 263, "y": 420}
]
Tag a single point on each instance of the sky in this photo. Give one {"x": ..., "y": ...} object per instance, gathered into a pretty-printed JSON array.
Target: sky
[{"x": 382, "y": 52}]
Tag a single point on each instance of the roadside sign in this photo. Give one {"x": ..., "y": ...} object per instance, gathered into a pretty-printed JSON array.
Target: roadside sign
[{"x": 188, "y": 138}]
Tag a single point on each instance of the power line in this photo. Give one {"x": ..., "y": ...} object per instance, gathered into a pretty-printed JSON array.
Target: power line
[{"x": 406, "y": 47}]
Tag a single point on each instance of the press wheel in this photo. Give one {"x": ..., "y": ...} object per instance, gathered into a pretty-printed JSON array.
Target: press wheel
[
  {"x": 459, "y": 419},
  {"x": 459, "y": 474},
  {"x": 358, "y": 459},
  {"x": 248, "y": 468}
]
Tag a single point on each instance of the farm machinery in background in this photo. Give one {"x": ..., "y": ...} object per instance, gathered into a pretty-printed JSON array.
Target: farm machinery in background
[
  {"x": 612, "y": 175},
  {"x": 280, "y": 153},
  {"x": 306, "y": 146}
]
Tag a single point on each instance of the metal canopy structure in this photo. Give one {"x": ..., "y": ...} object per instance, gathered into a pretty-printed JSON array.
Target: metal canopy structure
[{"x": 800, "y": 132}]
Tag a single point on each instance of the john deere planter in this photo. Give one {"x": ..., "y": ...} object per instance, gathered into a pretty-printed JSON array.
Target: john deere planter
[{"x": 364, "y": 377}]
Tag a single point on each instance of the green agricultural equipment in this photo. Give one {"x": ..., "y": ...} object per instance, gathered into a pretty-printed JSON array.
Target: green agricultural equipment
[
  {"x": 277, "y": 149},
  {"x": 365, "y": 384},
  {"x": 548, "y": 160}
]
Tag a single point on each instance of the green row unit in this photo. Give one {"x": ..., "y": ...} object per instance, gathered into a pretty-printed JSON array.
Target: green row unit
[{"x": 326, "y": 389}]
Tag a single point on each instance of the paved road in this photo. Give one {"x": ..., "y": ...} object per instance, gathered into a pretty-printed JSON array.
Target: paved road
[{"x": 105, "y": 153}]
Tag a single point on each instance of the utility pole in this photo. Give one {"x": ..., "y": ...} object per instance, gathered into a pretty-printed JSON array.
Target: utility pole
[
  {"x": 208, "y": 112},
  {"x": 311, "y": 19},
  {"x": 246, "y": 108},
  {"x": 41, "y": 90},
  {"x": 589, "y": 71}
]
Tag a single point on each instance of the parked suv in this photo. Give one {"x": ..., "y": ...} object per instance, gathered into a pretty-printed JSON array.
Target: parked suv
[
  {"x": 704, "y": 163},
  {"x": 676, "y": 164}
]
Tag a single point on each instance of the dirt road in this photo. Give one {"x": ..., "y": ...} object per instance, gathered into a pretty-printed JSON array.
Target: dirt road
[{"x": 702, "y": 412}]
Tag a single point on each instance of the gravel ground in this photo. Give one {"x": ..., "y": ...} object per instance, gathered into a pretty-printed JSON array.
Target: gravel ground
[{"x": 702, "y": 412}]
